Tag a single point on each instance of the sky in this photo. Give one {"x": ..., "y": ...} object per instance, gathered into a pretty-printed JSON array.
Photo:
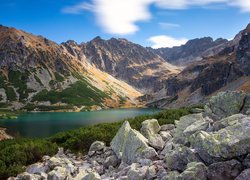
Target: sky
[{"x": 155, "y": 23}]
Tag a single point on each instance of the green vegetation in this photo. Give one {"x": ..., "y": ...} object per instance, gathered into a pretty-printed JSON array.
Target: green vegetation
[
  {"x": 80, "y": 93},
  {"x": 38, "y": 80},
  {"x": 18, "y": 79},
  {"x": 58, "y": 77},
  {"x": 14, "y": 154},
  {"x": 6, "y": 113},
  {"x": 10, "y": 93},
  {"x": 32, "y": 107}
]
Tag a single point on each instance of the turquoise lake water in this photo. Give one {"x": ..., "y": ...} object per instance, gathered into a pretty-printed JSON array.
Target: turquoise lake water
[{"x": 43, "y": 124}]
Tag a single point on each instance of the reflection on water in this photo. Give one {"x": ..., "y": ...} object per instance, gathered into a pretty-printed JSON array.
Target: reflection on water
[{"x": 42, "y": 124}]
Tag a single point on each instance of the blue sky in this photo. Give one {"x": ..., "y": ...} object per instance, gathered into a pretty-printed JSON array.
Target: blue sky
[{"x": 157, "y": 23}]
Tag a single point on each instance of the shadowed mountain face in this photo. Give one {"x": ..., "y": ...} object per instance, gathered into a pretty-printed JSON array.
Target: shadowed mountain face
[
  {"x": 193, "y": 50},
  {"x": 124, "y": 60},
  {"x": 228, "y": 69}
]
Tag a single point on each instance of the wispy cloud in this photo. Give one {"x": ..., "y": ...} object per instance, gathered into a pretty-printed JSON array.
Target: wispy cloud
[
  {"x": 78, "y": 8},
  {"x": 121, "y": 16},
  {"x": 166, "y": 41},
  {"x": 165, "y": 25}
]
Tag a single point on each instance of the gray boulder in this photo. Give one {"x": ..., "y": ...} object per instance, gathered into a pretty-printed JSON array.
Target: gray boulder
[
  {"x": 150, "y": 127},
  {"x": 224, "y": 144},
  {"x": 59, "y": 173},
  {"x": 224, "y": 170},
  {"x": 97, "y": 146},
  {"x": 179, "y": 157},
  {"x": 27, "y": 176},
  {"x": 37, "y": 168},
  {"x": 184, "y": 123},
  {"x": 224, "y": 104},
  {"x": 167, "y": 127},
  {"x": 128, "y": 144},
  {"x": 167, "y": 148},
  {"x": 137, "y": 173},
  {"x": 228, "y": 121},
  {"x": 111, "y": 161},
  {"x": 245, "y": 175},
  {"x": 246, "y": 161},
  {"x": 165, "y": 135},
  {"x": 156, "y": 141},
  {"x": 194, "y": 171},
  {"x": 149, "y": 153}
]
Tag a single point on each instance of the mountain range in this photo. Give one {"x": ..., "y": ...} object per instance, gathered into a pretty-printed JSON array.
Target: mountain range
[{"x": 39, "y": 74}]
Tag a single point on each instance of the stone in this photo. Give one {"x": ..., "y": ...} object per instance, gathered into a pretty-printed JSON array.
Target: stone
[
  {"x": 182, "y": 124},
  {"x": 172, "y": 175},
  {"x": 167, "y": 127},
  {"x": 37, "y": 168},
  {"x": 228, "y": 121},
  {"x": 244, "y": 175},
  {"x": 145, "y": 162},
  {"x": 137, "y": 173},
  {"x": 195, "y": 171},
  {"x": 197, "y": 110},
  {"x": 151, "y": 173},
  {"x": 97, "y": 146},
  {"x": 224, "y": 170},
  {"x": 179, "y": 157},
  {"x": 246, "y": 161},
  {"x": 118, "y": 142},
  {"x": 156, "y": 141},
  {"x": 229, "y": 142},
  {"x": 128, "y": 144},
  {"x": 165, "y": 135},
  {"x": 224, "y": 104},
  {"x": 246, "y": 108},
  {"x": 59, "y": 173},
  {"x": 167, "y": 148},
  {"x": 149, "y": 153},
  {"x": 111, "y": 161},
  {"x": 92, "y": 176},
  {"x": 80, "y": 175},
  {"x": 150, "y": 127},
  {"x": 27, "y": 176},
  {"x": 54, "y": 162}
]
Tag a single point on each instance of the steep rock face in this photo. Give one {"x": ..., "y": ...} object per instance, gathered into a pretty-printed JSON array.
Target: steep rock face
[
  {"x": 125, "y": 60},
  {"x": 38, "y": 74},
  {"x": 193, "y": 50},
  {"x": 226, "y": 70}
]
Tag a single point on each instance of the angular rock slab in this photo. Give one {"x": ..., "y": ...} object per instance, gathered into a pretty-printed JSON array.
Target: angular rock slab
[
  {"x": 179, "y": 157},
  {"x": 244, "y": 175},
  {"x": 150, "y": 127},
  {"x": 225, "y": 104},
  {"x": 225, "y": 170},
  {"x": 128, "y": 144},
  {"x": 224, "y": 144}
]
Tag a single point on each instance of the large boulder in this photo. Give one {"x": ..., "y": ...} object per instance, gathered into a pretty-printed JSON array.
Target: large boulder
[
  {"x": 224, "y": 170},
  {"x": 229, "y": 142},
  {"x": 179, "y": 157},
  {"x": 186, "y": 126},
  {"x": 97, "y": 146},
  {"x": 118, "y": 142},
  {"x": 128, "y": 144},
  {"x": 194, "y": 171},
  {"x": 245, "y": 175},
  {"x": 59, "y": 173},
  {"x": 228, "y": 121},
  {"x": 225, "y": 104},
  {"x": 37, "y": 168},
  {"x": 156, "y": 141},
  {"x": 150, "y": 127}
]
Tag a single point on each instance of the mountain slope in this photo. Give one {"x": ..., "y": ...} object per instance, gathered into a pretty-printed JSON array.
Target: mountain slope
[
  {"x": 229, "y": 69},
  {"x": 125, "y": 60},
  {"x": 38, "y": 73},
  {"x": 193, "y": 50}
]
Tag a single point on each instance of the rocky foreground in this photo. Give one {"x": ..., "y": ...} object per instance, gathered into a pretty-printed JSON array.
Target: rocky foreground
[{"x": 214, "y": 144}]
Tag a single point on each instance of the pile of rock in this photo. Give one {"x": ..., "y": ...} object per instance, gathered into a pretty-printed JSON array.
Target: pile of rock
[{"x": 214, "y": 144}]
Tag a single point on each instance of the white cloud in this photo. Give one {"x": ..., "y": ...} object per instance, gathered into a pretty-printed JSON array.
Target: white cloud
[
  {"x": 165, "y": 25},
  {"x": 121, "y": 16},
  {"x": 166, "y": 41},
  {"x": 78, "y": 8}
]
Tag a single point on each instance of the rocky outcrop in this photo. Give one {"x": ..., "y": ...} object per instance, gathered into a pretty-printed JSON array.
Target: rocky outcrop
[
  {"x": 193, "y": 50},
  {"x": 198, "y": 146}
]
